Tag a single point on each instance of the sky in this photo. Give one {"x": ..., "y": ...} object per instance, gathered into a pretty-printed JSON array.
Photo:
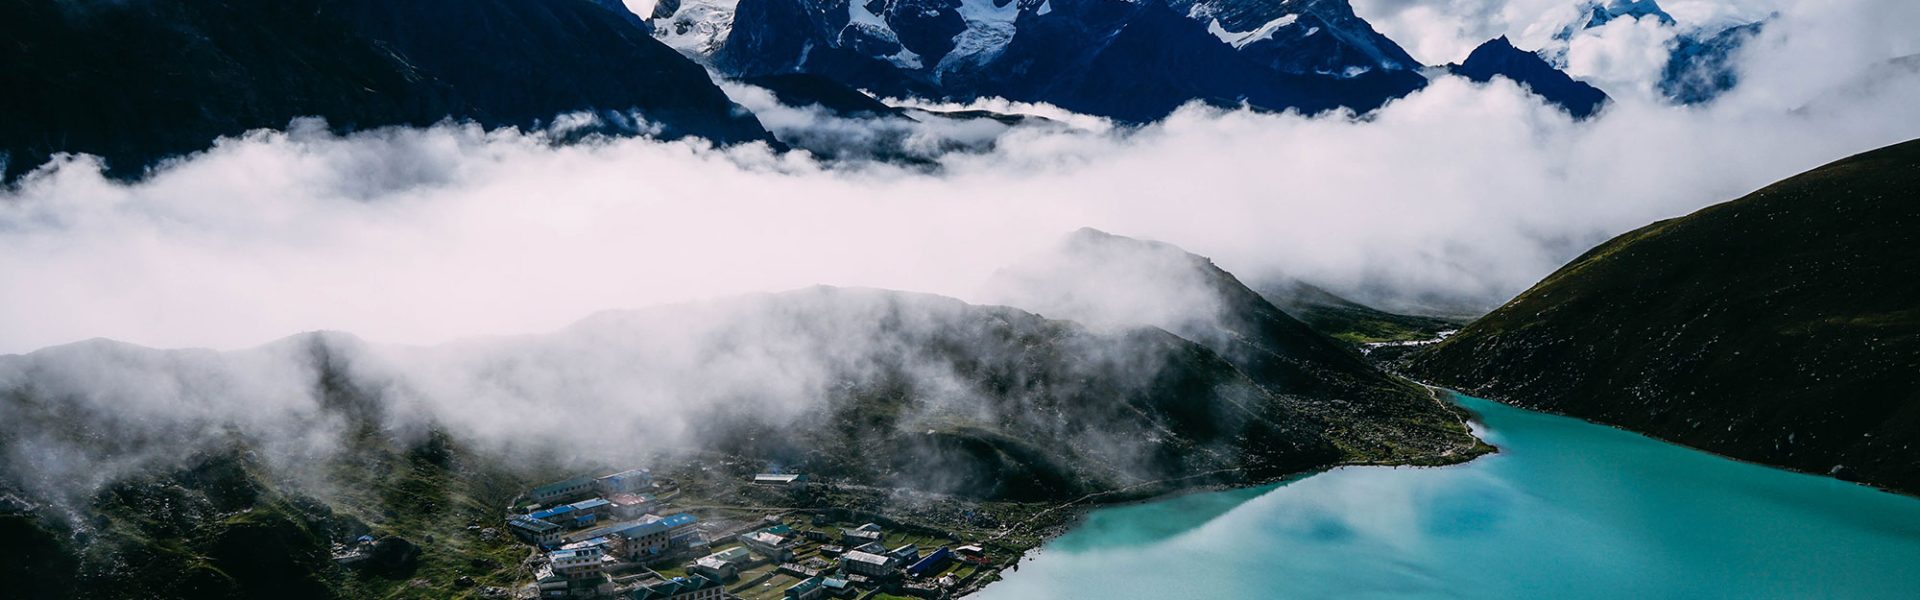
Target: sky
[
  {"x": 1453, "y": 199},
  {"x": 1444, "y": 31}
]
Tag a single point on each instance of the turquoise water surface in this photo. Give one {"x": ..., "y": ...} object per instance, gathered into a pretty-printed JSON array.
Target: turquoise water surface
[{"x": 1567, "y": 509}]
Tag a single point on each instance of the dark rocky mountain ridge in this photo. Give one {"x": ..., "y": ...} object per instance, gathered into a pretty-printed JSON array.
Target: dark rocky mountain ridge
[
  {"x": 1498, "y": 58},
  {"x": 135, "y": 82}
]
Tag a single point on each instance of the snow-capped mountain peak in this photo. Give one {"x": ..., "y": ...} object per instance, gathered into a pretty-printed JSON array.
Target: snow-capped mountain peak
[
  {"x": 1598, "y": 13},
  {"x": 990, "y": 27},
  {"x": 694, "y": 27}
]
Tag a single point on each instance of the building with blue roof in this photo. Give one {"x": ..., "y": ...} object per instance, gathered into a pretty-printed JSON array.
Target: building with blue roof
[
  {"x": 932, "y": 563},
  {"x": 633, "y": 480},
  {"x": 679, "y": 520},
  {"x": 549, "y": 515},
  {"x": 810, "y": 589},
  {"x": 642, "y": 542},
  {"x": 640, "y": 528},
  {"x": 535, "y": 531},
  {"x": 906, "y": 553},
  {"x": 598, "y": 507},
  {"x": 559, "y": 491},
  {"x": 567, "y": 515}
]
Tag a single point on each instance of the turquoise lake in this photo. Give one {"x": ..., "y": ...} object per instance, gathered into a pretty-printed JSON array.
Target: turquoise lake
[{"x": 1567, "y": 509}]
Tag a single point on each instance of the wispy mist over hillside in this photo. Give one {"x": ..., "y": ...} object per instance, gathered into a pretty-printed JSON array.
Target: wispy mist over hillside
[
  {"x": 1450, "y": 200},
  {"x": 917, "y": 391}
]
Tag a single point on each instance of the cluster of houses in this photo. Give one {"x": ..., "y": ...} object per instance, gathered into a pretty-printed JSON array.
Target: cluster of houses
[
  {"x": 594, "y": 530},
  {"x": 591, "y": 527},
  {"x": 864, "y": 556}
]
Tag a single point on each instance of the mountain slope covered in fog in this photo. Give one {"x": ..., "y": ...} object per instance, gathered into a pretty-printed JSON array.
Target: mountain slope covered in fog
[
  {"x": 1779, "y": 328},
  {"x": 135, "y": 472},
  {"x": 135, "y": 82},
  {"x": 1113, "y": 281}
]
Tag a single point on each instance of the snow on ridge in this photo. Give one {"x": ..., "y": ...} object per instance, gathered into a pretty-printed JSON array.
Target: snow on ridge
[
  {"x": 1243, "y": 39},
  {"x": 989, "y": 29},
  {"x": 858, "y": 17},
  {"x": 857, "y": 14}
]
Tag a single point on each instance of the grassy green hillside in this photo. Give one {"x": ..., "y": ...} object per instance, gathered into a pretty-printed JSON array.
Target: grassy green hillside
[
  {"x": 1782, "y": 327},
  {"x": 225, "y": 526}
]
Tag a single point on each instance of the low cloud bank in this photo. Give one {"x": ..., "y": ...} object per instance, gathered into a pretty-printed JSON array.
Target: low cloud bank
[{"x": 1452, "y": 199}]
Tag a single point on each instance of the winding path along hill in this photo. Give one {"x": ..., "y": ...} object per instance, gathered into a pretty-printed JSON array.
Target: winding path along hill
[{"x": 1781, "y": 328}]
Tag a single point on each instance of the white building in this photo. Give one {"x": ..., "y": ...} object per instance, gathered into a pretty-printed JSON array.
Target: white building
[
  {"x": 868, "y": 564},
  {"x": 714, "y": 568},
  {"x": 625, "y": 482},
  {"x": 776, "y": 548},
  {"x": 632, "y": 506},
  {"x": 579, "y": 563}
]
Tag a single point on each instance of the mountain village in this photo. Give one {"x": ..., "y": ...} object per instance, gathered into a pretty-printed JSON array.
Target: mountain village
[{"x": 623, "y": 535}]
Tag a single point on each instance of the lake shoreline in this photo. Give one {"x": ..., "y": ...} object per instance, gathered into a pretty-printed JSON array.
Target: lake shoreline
[
  {"x": 1079, "y": 508},
  {"x": 1651, "y": 518},
  {"x": 1657, "y": 438}
]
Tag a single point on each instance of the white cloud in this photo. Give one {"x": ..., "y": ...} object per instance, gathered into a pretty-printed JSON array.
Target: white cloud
[
  {"x": 1458, "y": 194},
  {"x": 1444, "y": 31},
  {"x": 1625, "y": 56}
]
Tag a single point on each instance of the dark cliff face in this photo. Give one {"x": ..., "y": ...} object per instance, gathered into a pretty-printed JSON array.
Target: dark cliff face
[
  {"x": 1498, "y": 58},
  {"x": 1126, "y": 60},
  {"x": 135, "y": 82},
  {"x": 1782, "y": 328}
]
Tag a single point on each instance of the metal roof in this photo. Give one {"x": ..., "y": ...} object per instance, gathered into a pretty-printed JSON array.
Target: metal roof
[
  {"x": 590, "y": 504},
  {"x": 671, "y": 588},
  {"x": 679, "y": 520},
  {"x": 872, "y": 559},
  {"x": 557, "y": 486},
  {"x": 525, "y": 522}
]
